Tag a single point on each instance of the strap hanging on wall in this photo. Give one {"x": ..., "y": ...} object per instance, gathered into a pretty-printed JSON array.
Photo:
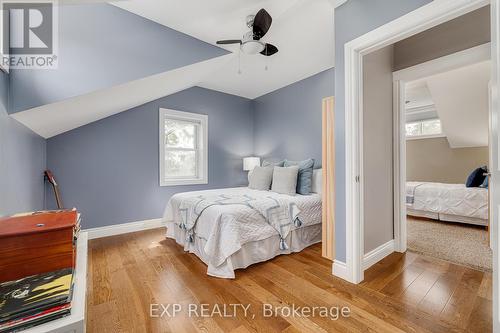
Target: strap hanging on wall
[{"x": 328, "y": 165}]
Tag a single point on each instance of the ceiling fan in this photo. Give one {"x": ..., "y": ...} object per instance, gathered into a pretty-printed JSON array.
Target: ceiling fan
[{"x": 250, "y": 43}]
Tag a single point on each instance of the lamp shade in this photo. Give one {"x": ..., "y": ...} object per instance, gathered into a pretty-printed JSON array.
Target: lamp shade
[{"x": 249, "y": 163}]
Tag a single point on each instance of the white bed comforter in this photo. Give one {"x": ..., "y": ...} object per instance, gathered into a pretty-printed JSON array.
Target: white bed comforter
[
  {"x": 225, "y": 228},
  {"x": 453, "y": 199}
]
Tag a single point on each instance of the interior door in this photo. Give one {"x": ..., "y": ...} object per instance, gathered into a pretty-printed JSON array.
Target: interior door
[
  {"x": 490, "y": 166},
  {"x": 328, "y": 192}
]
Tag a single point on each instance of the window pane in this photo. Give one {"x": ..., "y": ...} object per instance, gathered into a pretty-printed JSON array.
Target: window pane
[
  {"x": 180, "y": 134},
  {"x": 431, "y": 127},
  {"x": 180, "y": 164},
  {"x": 413, "y": 129}
]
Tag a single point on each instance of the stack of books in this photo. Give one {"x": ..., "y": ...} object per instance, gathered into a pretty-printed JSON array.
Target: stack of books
[{"x": 35, "y": 300}]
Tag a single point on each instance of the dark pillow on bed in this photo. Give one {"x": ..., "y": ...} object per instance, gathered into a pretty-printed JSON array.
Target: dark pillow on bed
[{"x": 476, "y": 177}]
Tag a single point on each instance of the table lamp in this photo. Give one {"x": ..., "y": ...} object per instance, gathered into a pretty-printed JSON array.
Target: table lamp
[{"x": 249, "y": 163}]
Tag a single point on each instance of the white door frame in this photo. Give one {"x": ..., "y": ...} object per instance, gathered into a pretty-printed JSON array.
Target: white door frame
[
  {"x": 495, "y": 162},
  {"x": 421, "y": 19},
  {"x": 453, "y": 61}
]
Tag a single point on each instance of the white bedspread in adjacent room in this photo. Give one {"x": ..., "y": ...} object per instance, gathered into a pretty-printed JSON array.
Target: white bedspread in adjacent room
[
  {"x": 453, "y": 199},
  {"x": 224, "y": 229}
]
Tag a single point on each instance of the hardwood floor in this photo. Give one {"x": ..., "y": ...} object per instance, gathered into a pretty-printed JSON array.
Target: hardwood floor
[{"x": 402, "y": 293}]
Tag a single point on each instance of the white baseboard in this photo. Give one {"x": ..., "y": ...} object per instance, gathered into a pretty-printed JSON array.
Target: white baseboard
[
  {"x": 339, "y": 269},
  {"x": 123, "y": 228},
  {"x": 374, "y": 256}
]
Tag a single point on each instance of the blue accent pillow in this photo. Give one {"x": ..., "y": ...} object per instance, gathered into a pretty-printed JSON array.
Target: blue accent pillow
[
  {"x": 476, "y": 177},
  {"x": 304, "y": 179},
  {"x": 485, "y": 183}
]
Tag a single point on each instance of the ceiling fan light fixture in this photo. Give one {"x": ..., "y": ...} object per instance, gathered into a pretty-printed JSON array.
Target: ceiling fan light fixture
[
  {"x": 250, "y": 43},
  {"x": 252, "y": 47}
]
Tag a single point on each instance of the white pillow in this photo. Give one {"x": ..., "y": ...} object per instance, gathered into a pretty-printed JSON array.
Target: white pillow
[
  {"x": 317, "y": 181},
  {"x": 260, "y": 178},
  {"x": 285, "y": 180}
]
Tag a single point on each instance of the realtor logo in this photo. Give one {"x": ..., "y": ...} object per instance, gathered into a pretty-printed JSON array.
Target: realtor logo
[{"x": 29, "y": 34}]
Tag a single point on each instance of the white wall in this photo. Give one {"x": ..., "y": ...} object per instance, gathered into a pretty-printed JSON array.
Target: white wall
[{"x": 378, "y": 155}]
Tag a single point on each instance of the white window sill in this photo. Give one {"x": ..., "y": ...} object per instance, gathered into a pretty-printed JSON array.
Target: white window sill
[
  {"x": 179, "y": 182},
  {"x": 420, "y": 137}
]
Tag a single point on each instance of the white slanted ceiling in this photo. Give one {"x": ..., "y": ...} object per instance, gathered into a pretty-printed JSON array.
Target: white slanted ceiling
[
  {"x": 419, "y": 103},
  {"x": 303, "y": 31},
  {"x": 461, "y": 100},
  {"x": 418, "y": 95},
  {"x": 53, "y": 119}
]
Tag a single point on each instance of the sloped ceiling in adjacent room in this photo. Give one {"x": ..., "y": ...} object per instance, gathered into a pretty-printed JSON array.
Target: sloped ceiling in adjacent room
[
  {"x": 461, "y": 100},
  {"x": 418, "y": 95},
  {"x": 419, "y": 103}
]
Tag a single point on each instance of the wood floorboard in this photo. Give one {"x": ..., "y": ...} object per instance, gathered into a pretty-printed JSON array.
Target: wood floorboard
[
  {"x": 437, "y": 297},
  {"x": 402, "y": 293},
  {"x": 461, "y": 303},
  {"x": 380, "y": 274},
  {"x": 397, "y": 286},
  {"x": 419, "y": 288}
]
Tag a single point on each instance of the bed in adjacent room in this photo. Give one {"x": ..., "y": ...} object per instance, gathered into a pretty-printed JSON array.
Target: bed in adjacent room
[
  {"x": 233, "y": 228},
  {"x": 447, "y": 202}
]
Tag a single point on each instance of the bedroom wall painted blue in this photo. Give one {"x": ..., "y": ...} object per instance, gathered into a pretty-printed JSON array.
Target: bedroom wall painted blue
[
  {"x": 109, "y": 169},
  {"x": 100, "y": 46},
  {"x": 288, "y": 120},
  {"x": 22, "y": 161},
  {"x": 353, "y": 19}
]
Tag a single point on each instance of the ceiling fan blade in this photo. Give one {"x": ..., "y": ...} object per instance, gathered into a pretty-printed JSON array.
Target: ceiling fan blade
[
  {"x": 261, "y": 24},
  {"x": 269, "y": 50},
  {"x": 229, "y": 41}
]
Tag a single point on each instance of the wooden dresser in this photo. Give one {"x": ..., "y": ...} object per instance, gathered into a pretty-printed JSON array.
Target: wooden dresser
[{"x": 37, "y": 243}]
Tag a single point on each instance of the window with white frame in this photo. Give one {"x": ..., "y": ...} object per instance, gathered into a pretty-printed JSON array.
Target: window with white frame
[
  {"x": 183, "y": 148},
  {"x": 424, "y": 129}
]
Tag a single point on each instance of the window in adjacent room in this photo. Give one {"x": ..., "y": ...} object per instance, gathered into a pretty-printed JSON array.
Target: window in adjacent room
[
  {"x": 183, "y": 148},
  {"x": 424, "y": 129}
]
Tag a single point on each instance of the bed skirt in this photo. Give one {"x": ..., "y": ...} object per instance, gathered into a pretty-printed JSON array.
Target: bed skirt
[
  {"x": 447, "y": 217},
  {"x": 250, "y": 253}
]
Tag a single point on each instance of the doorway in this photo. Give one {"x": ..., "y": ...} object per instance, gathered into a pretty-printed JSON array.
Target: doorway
[
  {"x": 442, "y": 109},
  {"x": 426, "y": 17}
]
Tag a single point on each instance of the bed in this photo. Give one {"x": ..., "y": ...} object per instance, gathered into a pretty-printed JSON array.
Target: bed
[
  {"x": 447, "y": 202},
  {"x": 231, "y": 231}
]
